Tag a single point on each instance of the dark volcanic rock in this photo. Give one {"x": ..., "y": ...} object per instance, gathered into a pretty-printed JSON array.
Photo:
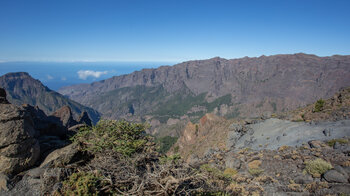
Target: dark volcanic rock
[
  {"x": 84, "y": 119},
  {"x": 44, "y": 124},
  {"x": 62, "y": 157},
  {"x": 3, "y": 99},
  {"x": 335, "y": 176}
]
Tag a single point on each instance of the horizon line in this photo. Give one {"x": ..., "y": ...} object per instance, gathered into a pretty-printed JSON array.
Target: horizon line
[{"x": 156, "y": 61}]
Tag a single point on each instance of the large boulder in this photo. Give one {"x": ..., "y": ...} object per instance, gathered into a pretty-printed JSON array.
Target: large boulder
[
  {"x": 62, "y": 157},
  {"x": 19, "y": 148},
  {"x": 335, "y": 176}
]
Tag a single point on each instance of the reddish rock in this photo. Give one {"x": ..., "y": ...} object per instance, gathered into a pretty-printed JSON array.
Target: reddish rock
[{"x": 65, "y": 116}]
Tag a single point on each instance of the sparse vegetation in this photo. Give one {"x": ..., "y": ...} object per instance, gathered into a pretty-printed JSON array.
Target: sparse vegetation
[
  {"x": 229, "y": 172},
  {"x": 317, "y": 167},
  {"x": 84, "y": 183},
  {"x": 319, "y": 105},
  {"x": 119, "y": 136},
  {"x": 332, "y": 142},
  {"x": 133, "y": 167},
  {"x": 165, "y": 143},
  {"x": 254, "y": 168}
]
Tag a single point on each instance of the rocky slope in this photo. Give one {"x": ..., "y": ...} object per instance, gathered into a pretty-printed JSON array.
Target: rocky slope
[
  {"x": 332, "y": 109},
  {"x": 331, "y": 121},
  {"x": 226, "y": 157},
  {"x": 23, "y": 89},
  {"x": 276, "y": 156},
  {"x": 28, "y": 136},
  {"x": 236, "y": 87}
]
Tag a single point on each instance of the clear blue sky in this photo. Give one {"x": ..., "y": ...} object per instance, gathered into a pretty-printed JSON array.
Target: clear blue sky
[{"x": 170, "y": 30}]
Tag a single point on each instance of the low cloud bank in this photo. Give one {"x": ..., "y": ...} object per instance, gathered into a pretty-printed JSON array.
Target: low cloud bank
[{"x": 84, "y": 74}]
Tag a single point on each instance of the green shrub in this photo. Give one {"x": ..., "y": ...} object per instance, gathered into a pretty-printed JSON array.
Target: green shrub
[
  {"x": 333, "y": 141},
  {"x": 317, "y": 167},
  {"x": 175, "y": 158},
  {"x": 83, "y": 183},
  {"x": 119, "y": 136},
  {"x": 229, "y": 172},
  {"x": 319, "y": 105},
  {"x": 165, "y": 143},
  {"x": 255, "y": 171}
]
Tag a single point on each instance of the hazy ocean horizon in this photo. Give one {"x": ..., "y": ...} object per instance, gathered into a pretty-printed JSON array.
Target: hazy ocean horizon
[{"x": 58, "y": 74}]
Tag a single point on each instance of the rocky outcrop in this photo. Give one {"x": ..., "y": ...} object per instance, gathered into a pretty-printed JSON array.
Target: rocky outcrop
[
  {"x": 27, "y": 135},
  {"x": 62, "y": 157},
  {"x": 64, "y": 115},
  {"x": 84, "y": 119},
  {"x": 210, "y": 132},
  {"x": 19, "y": 148},
  {"x": 21, "y": 89},
  {"x": 3, "y": 99},
  {"x": 44, "y": 124}
]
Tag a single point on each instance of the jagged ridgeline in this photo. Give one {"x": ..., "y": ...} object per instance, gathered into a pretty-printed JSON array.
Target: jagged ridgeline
[
  {"x": 21, "y": 89},
  {"x": 246, "y": 87}
]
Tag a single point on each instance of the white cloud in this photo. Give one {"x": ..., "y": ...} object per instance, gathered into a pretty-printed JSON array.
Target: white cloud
[
  {"x": 49, "y": 77},
  {"x": 63, "y": 78},
  {"x": 84, "y": 74}
]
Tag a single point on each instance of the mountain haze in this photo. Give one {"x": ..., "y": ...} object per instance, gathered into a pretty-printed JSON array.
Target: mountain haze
[
  {"x": 21, "y": 88},
  {"x": 236, "y": 87}
]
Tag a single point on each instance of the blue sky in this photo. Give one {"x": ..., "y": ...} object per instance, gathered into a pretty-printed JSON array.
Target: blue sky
[{"x": 170, "y": 30}]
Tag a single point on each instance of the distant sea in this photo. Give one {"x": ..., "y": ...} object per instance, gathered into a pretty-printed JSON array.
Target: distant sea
[{"x": 58, "y": 74}]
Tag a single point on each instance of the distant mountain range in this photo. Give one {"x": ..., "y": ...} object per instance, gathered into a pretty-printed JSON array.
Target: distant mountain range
[
  {"x": 245, "y": 87},
  {"x": 21, "y": 88}
]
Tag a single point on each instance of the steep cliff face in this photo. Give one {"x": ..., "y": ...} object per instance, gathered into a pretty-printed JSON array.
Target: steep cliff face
[
  {"x": 21, "y": 88},
  {"x": 245, "y": 87}
]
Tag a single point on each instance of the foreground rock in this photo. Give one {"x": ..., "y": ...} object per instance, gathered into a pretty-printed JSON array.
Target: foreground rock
[
  {"x": 27, "y": 138},
  {"x": 19, "y": 148}
]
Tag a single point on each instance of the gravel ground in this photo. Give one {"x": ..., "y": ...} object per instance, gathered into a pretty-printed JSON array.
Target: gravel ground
[{"x": 273, "y": 133}]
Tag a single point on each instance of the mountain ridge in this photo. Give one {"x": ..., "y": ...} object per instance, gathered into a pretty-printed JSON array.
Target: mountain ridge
[
  {"x": 257, "y": 86},
  {"x": 23, "y": 89}
]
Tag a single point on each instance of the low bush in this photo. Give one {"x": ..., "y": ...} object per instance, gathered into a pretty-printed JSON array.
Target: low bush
[
  {"x": 332, "y": 142},
  {"x": 229, "y": 172},
  {"x": 119, "y": 136},
  {"x": 126, "y": 162},
  {"x": 165, "y": 143},
  {"x": 83, "y": 183},
  {"x": 319, "y": 105},
  {"x": 317, "y": 167}
]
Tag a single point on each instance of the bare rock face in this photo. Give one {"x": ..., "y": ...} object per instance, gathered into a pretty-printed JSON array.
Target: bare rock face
[
  {"x": 65, "y": 116},
  {"x": 44, "y": 124},
  {"x": 3, "y": 99},
  {"x": 19, "y": 148},
  {"x": 84, "y": 119}
]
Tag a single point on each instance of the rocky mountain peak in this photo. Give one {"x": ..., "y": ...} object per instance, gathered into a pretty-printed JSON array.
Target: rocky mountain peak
[
  {"x": 21, "y": 89},
  {"x": 64, "y": 114}
]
